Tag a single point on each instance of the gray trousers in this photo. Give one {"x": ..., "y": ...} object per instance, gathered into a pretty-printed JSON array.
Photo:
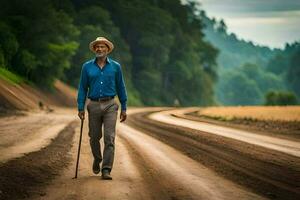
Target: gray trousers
[{"x": 103, "y": 114}]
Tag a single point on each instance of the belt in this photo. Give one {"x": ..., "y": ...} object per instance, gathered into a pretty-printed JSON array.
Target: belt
[{"x": 103, "y": 99}]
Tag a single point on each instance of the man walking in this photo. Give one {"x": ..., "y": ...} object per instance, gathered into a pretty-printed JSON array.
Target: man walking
[{"x": 101, "y": 80}]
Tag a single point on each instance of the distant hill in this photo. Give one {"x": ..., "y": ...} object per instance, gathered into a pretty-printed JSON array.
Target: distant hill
[
  {"x": 248, "y": 73},
  {"x": 234, "y": 52}
]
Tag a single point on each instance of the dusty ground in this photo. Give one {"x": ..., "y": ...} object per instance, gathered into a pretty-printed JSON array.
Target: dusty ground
[
  {"x": 21, "y": 134},
  {"x": 269, "y": 172},
  {"x": 153, "y": 160},
  {"x": 145, "y": 168},
  {"x": 27, "y": 176}
]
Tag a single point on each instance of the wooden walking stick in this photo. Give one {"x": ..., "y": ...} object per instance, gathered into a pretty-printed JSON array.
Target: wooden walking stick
[{"x": 79, "y": 145}]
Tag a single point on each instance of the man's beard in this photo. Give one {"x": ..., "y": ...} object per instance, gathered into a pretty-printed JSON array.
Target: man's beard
[{"x": 100, "y": 55}]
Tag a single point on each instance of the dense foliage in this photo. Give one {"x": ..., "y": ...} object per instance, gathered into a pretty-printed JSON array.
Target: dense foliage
[
  {"x": 37, "y": 41},
  {"x": 246, "y": 85},
  {"x": 286, "y": 64},
  {"x": 159, "y": 44}
]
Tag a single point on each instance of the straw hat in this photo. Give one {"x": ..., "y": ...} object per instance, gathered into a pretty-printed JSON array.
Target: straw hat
[{"x": 101, "y": 40}]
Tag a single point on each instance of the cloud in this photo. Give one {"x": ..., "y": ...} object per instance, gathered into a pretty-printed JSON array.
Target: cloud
[
  {"x": 272, "y": 30},
  {"x": 241, "y": 6},
  {"x": 265, "y": 22}
]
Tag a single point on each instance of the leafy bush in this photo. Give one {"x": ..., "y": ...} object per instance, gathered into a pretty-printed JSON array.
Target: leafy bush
[{"x": 280, "y": 98}]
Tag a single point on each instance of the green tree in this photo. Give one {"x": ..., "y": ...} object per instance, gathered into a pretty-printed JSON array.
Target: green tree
[
  {"x": 236, "y": 89},
  {"x": 278, "y": 65},
  {"x": 8, "y": 44},
  {"x": 46, "y": 39},
  {"x": 24, "y": 63},
  {"x": 293, "y": 73},
  {"x": 265, "y": 80}
]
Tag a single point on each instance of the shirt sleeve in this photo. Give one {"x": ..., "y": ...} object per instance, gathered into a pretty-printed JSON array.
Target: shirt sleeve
[
  {"x": 121, "y": 89},
  {"x": 82, "y": 89}
]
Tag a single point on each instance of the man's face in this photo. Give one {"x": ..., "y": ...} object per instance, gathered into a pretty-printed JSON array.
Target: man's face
[{"x": 101, "y": 50}]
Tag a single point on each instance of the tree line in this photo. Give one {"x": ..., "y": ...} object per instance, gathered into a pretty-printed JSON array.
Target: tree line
[{"x": 160, "y": 45}]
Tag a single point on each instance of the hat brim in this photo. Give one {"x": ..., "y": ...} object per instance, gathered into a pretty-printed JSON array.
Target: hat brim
[{"x": 102, "y": 41}]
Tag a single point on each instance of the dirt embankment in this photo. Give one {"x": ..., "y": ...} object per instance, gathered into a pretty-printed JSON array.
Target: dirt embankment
[
  {"x": 25, "y": 97},
  {"x": 270, "y": 173}
]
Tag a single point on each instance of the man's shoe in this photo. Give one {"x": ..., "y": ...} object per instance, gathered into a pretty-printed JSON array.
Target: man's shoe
[
  {"x": 96, "y": 167},
  {"x": 106, "y": 174}
]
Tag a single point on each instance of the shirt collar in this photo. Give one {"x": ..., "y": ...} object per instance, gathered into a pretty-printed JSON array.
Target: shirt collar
[{"x": 108, "y": 60}]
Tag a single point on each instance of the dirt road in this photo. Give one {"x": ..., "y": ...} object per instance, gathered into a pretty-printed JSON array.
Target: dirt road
[
  {"x": 156, "y": 160},
  {"x": 31, "y": 132}
]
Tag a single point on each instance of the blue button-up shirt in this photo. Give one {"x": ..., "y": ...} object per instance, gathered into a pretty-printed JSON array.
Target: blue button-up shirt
[{"x": 99, "y": 83}]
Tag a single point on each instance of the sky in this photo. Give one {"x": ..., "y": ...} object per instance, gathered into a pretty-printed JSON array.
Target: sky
[{"x": 270, "y": 23}]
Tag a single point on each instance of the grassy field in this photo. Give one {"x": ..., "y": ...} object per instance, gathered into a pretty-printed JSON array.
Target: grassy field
[{"x": 273, "y": 113}]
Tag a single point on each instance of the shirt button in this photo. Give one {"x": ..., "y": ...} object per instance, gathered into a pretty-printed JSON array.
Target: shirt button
[{"x": 101, "y": 82}]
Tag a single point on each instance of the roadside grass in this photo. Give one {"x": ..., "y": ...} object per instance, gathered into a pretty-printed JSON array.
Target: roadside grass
[
  {"x": 228, "y": 118},
  {"x": 10, "y": 77}
]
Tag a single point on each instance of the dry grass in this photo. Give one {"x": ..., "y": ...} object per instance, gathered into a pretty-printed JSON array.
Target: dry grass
[{"x": 274, "y": 113}]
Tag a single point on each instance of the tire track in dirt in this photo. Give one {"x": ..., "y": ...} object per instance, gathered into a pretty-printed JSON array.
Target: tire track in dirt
[
  {"x": 270, "y": 173},
  {"x": 27, "y": 175},
  {"x": 290, "y": 147},
  {"x": 25, "y": 134},
  {"x": 158, "y": 186},
  {"x": 172, "y": 175}
]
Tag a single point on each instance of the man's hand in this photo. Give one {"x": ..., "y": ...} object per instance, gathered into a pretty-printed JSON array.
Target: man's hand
[
  {"x": 81, "y": 115},
  {"x": 123, "y": 116}
]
